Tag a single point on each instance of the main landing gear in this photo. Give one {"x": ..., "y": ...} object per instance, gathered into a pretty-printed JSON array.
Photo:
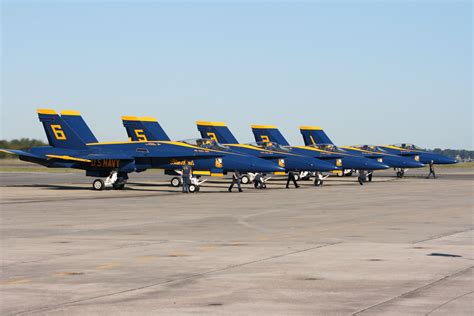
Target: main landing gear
[
  {"x": 116, "y": 180},
  {"x": 319, "y": 180},
  {"x": 400, "y": 172},
  {"x": 258, "y": 180}
]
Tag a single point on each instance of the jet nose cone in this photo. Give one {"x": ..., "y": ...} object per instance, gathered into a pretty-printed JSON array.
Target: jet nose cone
[
  {"x": 375, "y": 165},
  {"x": 413, "y": 164},
  {"x": 449, "y": 160}
]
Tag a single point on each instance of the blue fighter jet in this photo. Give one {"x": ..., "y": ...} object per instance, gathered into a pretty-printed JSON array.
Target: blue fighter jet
[
  {"x": 410, "y": 150},
  {"x": 314, "y": 135},
  {"x": 270, "y": 133},
  {"x": 115, "y": 160},
  {"x": 292, "y": 162}
]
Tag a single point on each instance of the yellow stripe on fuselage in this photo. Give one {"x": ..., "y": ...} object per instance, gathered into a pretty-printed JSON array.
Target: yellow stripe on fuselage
[
  {"x": 68, "y": 158},
  {"x": 316, "y": 149},
  {"x": 251, "y": 147},
  {"x": 358, "y": 149},
  {"x": 202, "y": 173}
]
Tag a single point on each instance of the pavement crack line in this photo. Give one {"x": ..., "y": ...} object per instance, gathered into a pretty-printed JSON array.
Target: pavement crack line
[
  {"x": 426, "y": 286},
  {"x": 65, "y": 255},
  {"x": 443, "y": 235},
  {"x": 196, "y": 275},
  {"x": 446, "y": 303}
]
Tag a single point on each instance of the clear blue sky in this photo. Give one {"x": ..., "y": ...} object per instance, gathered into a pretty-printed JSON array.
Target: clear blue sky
[{"x": 366, "y": 71}]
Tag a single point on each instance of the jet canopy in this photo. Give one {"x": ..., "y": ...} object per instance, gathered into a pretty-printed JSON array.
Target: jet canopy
[
  {"x": 367, "y": 147},
  {"x": 207, "y": 143},
  {"x": 271, "y": 146},
  {"x": 326, "y": 147},
  {"x": 408, "y": 146}
]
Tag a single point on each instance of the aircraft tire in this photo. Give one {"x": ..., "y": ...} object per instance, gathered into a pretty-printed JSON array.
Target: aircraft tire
[
  {"x": 297, "y": 176},
  {"x": 349, "y": 174},
  {"x": 176, "y": 182},
  {"x": 318, "y": 182},
  {"x": 98, "y": 185},
  {"x": 245, "y": 179},
  {"x": 193, "y": 188}
]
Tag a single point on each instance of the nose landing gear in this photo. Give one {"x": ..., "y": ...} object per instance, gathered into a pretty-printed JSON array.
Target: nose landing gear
[{"x": 115, "y": 180}]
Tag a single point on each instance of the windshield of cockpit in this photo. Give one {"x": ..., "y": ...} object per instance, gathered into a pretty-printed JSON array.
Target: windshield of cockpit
[
  {"x": 367, "y": 147},
  {"x": 408, "y": 146},
  {"x": 326, "y": 147},
  {"x": 270, "y": 146},
  {"x": 206, "y": 143}
]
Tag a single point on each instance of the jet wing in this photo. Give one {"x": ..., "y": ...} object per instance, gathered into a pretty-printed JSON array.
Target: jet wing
[{"x": 20, "y": 153}]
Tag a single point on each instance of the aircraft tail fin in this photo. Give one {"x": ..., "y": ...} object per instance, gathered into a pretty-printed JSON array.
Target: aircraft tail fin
[
  {"x": 59, "y": 133},
  {"x": 268, "y": 133},
  {"x": 144, "y": 129},
  {"x": 217, "y": 131},
  {"x": 77, "y": 123},
  {"x": 313, "y": 135}
]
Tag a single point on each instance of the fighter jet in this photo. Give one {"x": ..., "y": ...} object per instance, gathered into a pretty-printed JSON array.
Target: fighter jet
[
  {"x": 270, "y": 133},
  {"x": 314, "y": 135},
  {"x": 413, "y": 151},
  {"x": 292, "y": 162},
  {"x": 115, "y": 160}
]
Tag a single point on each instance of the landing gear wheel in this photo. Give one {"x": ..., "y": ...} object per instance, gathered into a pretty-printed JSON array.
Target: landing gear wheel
[
  {"x": 193, "y": 188},
  {"x": 98, "y": 184},
  {"x": 400, "y": 174},
  {"x": 318, "y": 182},
  {"x": 297, "y": 176},
  {"x": 245, "y": 179},
  {"x": 176, "y": 182},
  {"x": 349, "y": 174}
]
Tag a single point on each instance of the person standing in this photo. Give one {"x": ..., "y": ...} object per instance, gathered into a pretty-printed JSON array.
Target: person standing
[
  {"x": 235, "y": 180},
  {"x": 291, "y": 177},
  {"x": 432, "y": 171},
  {"x": 186, "y": 178}
]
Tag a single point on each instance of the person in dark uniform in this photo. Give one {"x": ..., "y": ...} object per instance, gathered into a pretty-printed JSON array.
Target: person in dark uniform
[
  {"x": 362, "y": 177},
  {"x": 186, "y": 178},
  {"x": 432, "y": 171},
  {"x": 259, "y": 182},
  {"x": 235, "y": 180},
  {"x": 369, "y": 175},
  {"x": 291, "y": 177}
]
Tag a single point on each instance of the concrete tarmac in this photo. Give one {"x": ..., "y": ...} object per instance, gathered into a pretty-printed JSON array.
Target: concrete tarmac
[{"x": 394, "y": 246}]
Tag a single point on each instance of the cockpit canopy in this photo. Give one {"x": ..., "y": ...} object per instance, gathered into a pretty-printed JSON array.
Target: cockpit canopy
[
  {"x": 408, "y": 146},
  {"x": 367, "y": 147},
  {"x": 207, "y": 143},
  {"x": 326, "y": 147},
  {"x": 270, "y": 146}
]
